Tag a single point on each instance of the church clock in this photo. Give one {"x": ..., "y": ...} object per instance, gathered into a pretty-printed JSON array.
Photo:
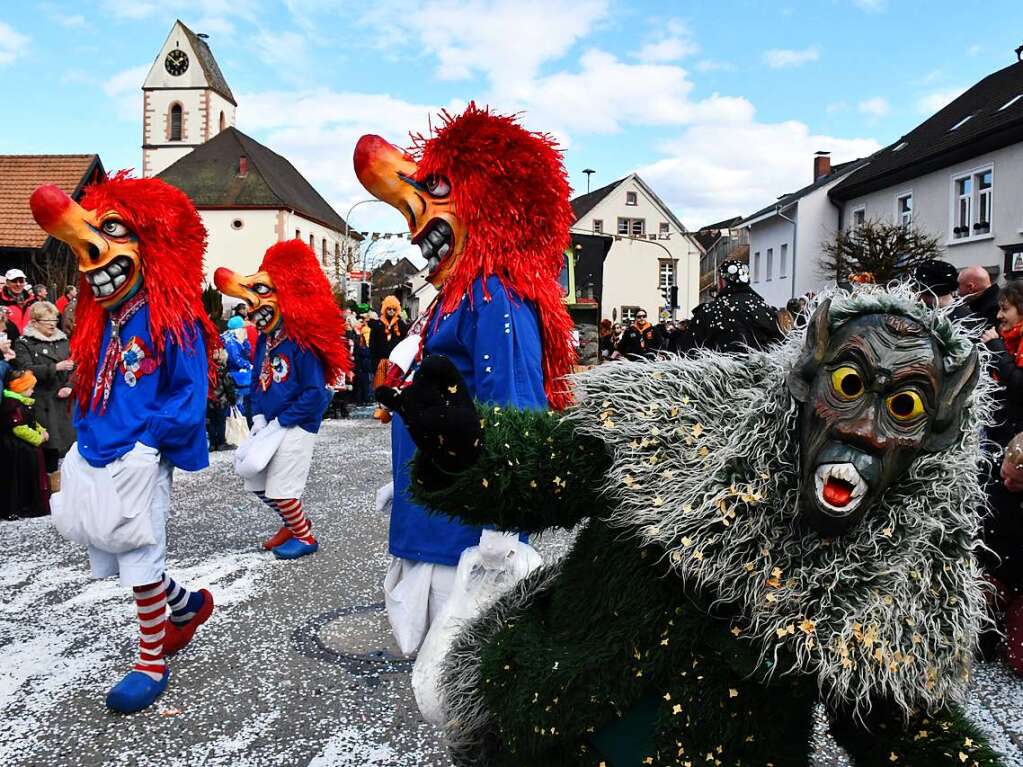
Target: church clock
[{"x": 176, "y": 62}]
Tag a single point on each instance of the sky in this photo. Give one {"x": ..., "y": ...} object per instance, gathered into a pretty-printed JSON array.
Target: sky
[{"x": 718, "y": 106}]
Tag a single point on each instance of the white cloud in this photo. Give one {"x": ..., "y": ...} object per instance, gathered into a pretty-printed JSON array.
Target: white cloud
[
  {"x": 871, "y": 6},
  {"x": 715, "y": 171},
  {"x": 779, "y": 58},
  {"x": 124, "y": 90},
  {"x": 875, "y": 107},
  {"x": 712, "y": 65},
  {"x": 12, "y": 44},
  {"x": 937, "y": 100},
  {"x": 674, "y": 43}
]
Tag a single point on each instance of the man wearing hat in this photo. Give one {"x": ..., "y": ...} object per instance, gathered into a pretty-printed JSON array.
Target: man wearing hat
[
  {"x": 17, "y": 298},
  {"x": 938, "y": 283}
]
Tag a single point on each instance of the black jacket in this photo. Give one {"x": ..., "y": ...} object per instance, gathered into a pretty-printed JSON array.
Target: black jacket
[
  {"x": 736, "y": 319},
  {"x": 985, "y": 306}
]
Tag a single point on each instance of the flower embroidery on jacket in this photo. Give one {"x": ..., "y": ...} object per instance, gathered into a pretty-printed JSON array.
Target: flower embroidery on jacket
[{"x": 136, "y": 360}]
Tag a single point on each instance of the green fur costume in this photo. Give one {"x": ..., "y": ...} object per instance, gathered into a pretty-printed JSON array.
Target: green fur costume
[{"x": 696, "y": 620}]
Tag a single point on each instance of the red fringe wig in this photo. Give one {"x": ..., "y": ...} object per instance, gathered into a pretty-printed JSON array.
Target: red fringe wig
[
  {"x": 304, "y": 296},
  {"x": 509, "y": 187},
  {"x": 172, "y": 243}
]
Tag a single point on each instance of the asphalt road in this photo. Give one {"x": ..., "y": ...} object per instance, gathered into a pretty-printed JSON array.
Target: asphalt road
[{"x": 296, "y": 667}]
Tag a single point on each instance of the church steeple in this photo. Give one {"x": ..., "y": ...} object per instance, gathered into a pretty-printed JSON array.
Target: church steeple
[{"x": 186, "y": 100}]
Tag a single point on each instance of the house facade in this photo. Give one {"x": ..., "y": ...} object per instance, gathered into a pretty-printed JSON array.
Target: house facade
[
  {"x": 957, "y": 176},
  {"x": 786, "y": 238},
  {"x": 651, "y": 250},
  {"x": 723, "y": 241}
]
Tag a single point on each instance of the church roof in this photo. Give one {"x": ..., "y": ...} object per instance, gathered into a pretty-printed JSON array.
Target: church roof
[
  {"x": 211, "y": 175},
  {"x": 209, "y": 64},
  {"x": 20, "y": 174}
]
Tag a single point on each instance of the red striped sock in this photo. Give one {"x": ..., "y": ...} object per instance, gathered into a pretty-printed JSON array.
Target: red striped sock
[
  {"x": 294, "y": 517},
  {"x": 151, "y": 605},
  {"x": 272, "y": 504}
]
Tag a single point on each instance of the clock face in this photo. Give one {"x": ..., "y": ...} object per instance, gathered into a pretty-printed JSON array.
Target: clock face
[{"x": 176, "y": 62}]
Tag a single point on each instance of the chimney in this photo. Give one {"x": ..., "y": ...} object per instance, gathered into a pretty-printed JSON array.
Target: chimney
[
  {"x": 243, "y": 166},
  {"x": 821, "y": 165}
]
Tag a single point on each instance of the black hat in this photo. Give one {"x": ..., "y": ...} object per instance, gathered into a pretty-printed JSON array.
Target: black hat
[{"x": 939, "y": 277}]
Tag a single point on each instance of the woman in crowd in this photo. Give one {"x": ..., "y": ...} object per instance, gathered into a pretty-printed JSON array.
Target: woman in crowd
[
  {"x": 1003, "y": 527},
  {"x": 221, "y": 398},
  {"x": 43, "y": 348},
  {"x": 239, "y": 360},
  {"x": 26, "y": 489}
]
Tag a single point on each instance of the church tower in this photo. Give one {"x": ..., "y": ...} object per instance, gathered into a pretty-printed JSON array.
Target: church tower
[{"x": 186, "y": 101}]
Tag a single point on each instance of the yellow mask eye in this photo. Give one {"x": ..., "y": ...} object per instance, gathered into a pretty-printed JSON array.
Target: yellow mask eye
[
  {"x": 905, "y": 405},
  {"x": 847, "y": 383}
]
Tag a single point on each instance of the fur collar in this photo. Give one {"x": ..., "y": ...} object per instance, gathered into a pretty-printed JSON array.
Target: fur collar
[
  {"x": 705, "y": 454},
  {"x": 31, "y": 332}
]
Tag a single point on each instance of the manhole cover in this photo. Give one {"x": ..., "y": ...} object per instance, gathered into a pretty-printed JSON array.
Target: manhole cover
[{"x": 357, "y": 637}]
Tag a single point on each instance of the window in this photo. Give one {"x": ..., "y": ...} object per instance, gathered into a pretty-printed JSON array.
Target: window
[
  {"x": 667, "y": 273},
  {"x": 859, "y": 218},
  {"x": 324, "y": 251},
  {"x": 629, "y": 314},
  {"x": 630, "y": 198},
  {"x": 223, "y": 121},
  {"x": 756, "y": 266},
  {"x": 298, "y": 234},
  {"x": 632, "y": 227},
  {"x": 598, "y": 225},
  {"x": 904, "y": 210},
  {"x": 312, "y": 243},
  {"x": 662, "y": 229},
  {"x": 175, "y": 123},
  {"x": 770, "y": 264},
  {"x": 237, "y": 224},
  {"x": 783, "y": 266},
  {"x": 972, "y": 201}
]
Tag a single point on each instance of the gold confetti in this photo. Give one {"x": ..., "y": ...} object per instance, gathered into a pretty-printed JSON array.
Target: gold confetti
[
  {"x": 736, "y": 631},
  {"x": 807, "y": 626},
  {"x": 733, "y": 693},
  {"x": 698, "y": 556},
  {"x": 667, "y": 696},
  {"x": 676, "y": 710},
  {"x": 453, "y": 389},
  {"x": 703, "y": 452},
  {"x": 485, "y": 482},
  {"x": 697, "y": 430}
]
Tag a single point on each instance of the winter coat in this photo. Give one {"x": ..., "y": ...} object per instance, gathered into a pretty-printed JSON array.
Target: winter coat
[
  {"x": 738, "y": 318},
  {"x": 239, "y": 362},
  {"x": 26, "y": 490},
  {"x": 382, "y": 343},
  {"x": 40, "y": 354},
  {"x": 18, "y": 306},
  {"x": 223, "y": 393},
  {"x": 985, "y": 306}
]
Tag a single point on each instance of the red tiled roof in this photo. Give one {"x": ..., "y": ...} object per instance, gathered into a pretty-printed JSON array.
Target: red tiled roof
[{"x": 20, "y": 174}]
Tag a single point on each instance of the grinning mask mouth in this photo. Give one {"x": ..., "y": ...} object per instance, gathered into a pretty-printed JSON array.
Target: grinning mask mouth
[
  {"x": 874, "y": 394},
  {"x": 106, "y": 247},
  {"x": 257, "y": 291},
  {"x": 424, "y": 200}
]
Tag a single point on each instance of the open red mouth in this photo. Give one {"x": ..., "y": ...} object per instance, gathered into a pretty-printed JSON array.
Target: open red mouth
[{"x": 838, "y": 492}]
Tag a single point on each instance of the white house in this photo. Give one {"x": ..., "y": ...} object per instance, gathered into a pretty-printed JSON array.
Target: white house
[
  {"x": 652, "y": 249},
  {"x": 248, "y": 196},
  {"x": 186, "y": 100},
  {"x": 785, "y": 237},
  {"x": 957, "y": 176}
]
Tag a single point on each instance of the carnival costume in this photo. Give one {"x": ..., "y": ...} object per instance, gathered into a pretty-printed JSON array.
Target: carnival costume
[
  {"x": 301, "y": 350},
  {"x": 757, "y": 532},
  {"x": 141, "y": 356},
  {"x": 488, "y": 204}
]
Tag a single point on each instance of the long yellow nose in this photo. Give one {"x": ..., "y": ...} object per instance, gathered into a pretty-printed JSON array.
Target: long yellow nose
[
  {"x": 63, "y": 218},
  {"x": 381, "y": 166}
]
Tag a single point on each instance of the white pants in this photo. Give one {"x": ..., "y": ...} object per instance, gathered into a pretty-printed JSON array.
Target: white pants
[
  {"x": 286, "y": 474},
  {"x": 146, "y": 564},
  {"x": 415, "y": 593}
]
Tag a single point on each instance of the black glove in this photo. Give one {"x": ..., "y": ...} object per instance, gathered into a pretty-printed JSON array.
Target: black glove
[{"x": 440, "y": 414}]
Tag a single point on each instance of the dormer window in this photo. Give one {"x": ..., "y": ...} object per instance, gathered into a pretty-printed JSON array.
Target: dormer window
[
  {"x": 631, "y": 198},
  {"x": 900, "y": 146}
]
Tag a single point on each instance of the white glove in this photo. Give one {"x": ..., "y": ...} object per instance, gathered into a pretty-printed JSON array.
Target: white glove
[
  {"x": 385, "y": 495},
  {"x": 258, "y": 424}
]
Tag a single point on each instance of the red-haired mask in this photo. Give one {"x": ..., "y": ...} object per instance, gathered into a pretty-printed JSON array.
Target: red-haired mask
[{"x": 104, "y": 243}]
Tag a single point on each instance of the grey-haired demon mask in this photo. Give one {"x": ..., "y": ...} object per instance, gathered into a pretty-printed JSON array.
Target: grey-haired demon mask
[{"x": 874, "y": 394}]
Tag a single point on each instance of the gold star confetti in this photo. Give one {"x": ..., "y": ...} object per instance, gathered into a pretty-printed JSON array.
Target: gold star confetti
[
  {"x": 732, "y": 693},
  {"x": 676, "y": 710},
  {"x": 667, "y": 696},
  {"x": 697, "y": 430},
  {"x": 807, "y": 626},
  {"x": 736, "y": 631},
  {"x": 453, "y": 389},
  {"x": 485, "y": 482},
  {"x": 968, "y": 742}
]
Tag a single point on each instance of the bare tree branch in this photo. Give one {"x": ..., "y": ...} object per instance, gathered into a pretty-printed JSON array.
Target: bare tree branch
[{"x": 886, "y": 250}]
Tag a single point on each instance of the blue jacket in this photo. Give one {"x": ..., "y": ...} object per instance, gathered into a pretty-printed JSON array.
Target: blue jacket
[
  {"x": 290, "y": 385},
  {"x": 164, "y": 408},
  {"x": 495, "y": 344},
  {"x": 238, "y": 362}
]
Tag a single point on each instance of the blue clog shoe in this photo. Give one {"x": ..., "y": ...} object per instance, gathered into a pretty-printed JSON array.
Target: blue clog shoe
[
  {"x": 135, "y": 692},
  {"x": 294, "y": 548}
]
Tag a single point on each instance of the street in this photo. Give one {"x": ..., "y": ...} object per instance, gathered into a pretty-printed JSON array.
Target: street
[{"x": 296, "y": 666}]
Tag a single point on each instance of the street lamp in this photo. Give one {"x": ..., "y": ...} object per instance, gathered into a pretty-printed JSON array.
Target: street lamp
[
  {"x": 348, "y": 226},
  {"x": 589, "y": 172}
]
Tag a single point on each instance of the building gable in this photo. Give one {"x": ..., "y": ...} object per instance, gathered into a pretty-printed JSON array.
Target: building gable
[{"x": 202, "y": 70}]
